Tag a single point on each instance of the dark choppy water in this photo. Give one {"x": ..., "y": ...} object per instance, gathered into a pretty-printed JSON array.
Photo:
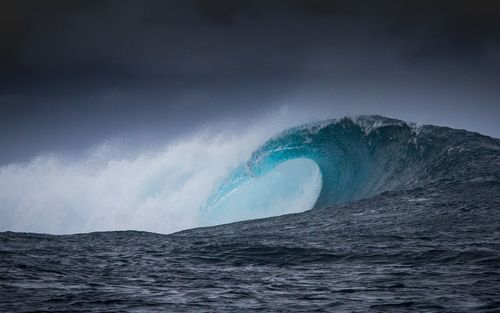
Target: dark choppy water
[{"x": 431, "y": 247}]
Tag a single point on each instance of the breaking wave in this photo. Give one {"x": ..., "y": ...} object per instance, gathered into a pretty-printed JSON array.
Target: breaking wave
[
  {"x": 357, "y": 158},
  {"x": 208, "y": 181}
]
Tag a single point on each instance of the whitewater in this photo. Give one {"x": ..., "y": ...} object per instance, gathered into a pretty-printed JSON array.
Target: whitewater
[{"x": 159, "y": 189}]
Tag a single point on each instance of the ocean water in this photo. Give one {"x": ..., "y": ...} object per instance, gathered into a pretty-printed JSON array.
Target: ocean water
[{"x": 403, "y": 219}]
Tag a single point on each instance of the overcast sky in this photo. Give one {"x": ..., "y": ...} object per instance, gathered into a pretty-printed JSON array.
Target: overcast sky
[{"x": 76, "y": 73}]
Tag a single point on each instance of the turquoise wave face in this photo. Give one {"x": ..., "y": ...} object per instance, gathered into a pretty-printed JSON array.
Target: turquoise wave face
[
  {"x": 291, "y": 187},
  {"x": 353, "y": 159}
]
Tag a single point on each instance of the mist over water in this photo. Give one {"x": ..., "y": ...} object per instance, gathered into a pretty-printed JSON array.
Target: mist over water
[
  {"x": 169, "y": 187},
  {"x": 160, "y": 189}
]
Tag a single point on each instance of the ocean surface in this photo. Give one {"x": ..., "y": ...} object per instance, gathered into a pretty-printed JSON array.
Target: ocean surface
[{"x": 405, "y": 218}]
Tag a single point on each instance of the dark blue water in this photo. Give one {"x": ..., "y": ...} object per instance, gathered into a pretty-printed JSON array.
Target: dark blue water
[{"x": 413, "y": 226}]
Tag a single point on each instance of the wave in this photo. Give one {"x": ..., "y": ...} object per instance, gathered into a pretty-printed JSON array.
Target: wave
[
  {"x": 357, "y": 158},
  {"x": 206, "y": 181}
]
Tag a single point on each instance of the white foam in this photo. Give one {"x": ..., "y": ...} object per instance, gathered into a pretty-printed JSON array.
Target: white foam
[{"x": 160, "y": 190}]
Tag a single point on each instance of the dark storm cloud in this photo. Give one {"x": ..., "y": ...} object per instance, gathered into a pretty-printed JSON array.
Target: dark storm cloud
[
  {"x": 172, "y": 38},
  {"x": 74, "y": 72}
]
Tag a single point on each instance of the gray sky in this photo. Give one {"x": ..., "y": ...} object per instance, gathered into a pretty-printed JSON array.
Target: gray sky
[{"x": 76, "y": 73}]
